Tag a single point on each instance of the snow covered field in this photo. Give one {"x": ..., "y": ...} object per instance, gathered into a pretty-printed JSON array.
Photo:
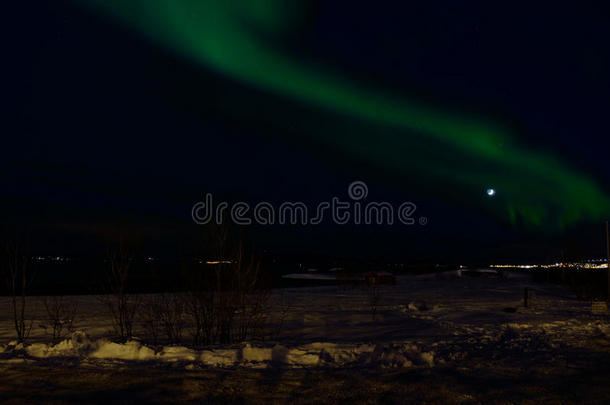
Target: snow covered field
[{"x": 425, "y": 327}]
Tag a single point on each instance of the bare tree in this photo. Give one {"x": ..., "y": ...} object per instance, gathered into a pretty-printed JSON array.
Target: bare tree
[
  {"x": 18, "y": 281},
  {"x": 60, "y": 315},
  {"x": 121, "y": 305}
]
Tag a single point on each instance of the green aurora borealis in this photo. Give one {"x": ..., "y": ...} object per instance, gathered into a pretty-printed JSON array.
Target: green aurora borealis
[{"x": 238, "y": 39}]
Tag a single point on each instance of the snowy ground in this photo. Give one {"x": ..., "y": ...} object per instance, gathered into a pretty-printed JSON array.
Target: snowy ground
[{"x": 435, "y": 339}]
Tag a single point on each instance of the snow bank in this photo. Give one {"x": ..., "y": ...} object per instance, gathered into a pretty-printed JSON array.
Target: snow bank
[{"x": 318, "y": 354}]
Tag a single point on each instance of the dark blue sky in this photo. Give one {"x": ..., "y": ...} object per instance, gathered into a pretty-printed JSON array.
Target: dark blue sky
[{"x": 103, "y": 131}]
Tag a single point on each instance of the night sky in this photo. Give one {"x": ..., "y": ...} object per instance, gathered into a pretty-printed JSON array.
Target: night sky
[{"x": 120, "y": 115}]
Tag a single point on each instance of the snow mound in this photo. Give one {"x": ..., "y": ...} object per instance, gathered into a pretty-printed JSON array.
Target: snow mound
[
  {"x": 177, "y": 353},
  {"x": 256, "y": 354},
  {"x": 131, "y": 350},
  {"x": 417, "y": 306},
  {"x": 405, "y": 355},
  {"x": 220, "y": 357},
  {"x": 77, "y": 345},
  {"x": 318, "y": 354}
]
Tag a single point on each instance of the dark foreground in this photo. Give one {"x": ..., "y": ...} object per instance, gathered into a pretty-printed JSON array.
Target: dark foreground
[{"x": 130, "y": 383}]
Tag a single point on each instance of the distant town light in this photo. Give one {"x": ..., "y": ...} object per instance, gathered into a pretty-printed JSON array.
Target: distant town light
[{"x": 219, "y": 262}]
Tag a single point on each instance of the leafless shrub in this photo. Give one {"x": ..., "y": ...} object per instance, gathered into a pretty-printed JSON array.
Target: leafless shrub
[
  {"x": 121, "y": 305},
  {"x": 373, "y": 298},
  {"x": 150, "y": 320},
  {"x": 18, "y": 281},
  {"x": 201, "y": 308},
  {"x": 252, "y": 299},
  {"x": 164, "y": 314},
  {"x": 275, "y": 317},
  {"x": 225, "y": 301},
  {"x": 171, "y": 312},
  {"x": 283, "y": 311},
  {"x": 60, "y": 314}
]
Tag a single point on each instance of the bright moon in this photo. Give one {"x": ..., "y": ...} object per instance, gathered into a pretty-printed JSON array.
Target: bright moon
[{"x": 491, "y": 192}]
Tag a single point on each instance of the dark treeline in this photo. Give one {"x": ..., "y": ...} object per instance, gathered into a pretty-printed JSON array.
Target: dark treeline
[{"x": 82, "y": 276}]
